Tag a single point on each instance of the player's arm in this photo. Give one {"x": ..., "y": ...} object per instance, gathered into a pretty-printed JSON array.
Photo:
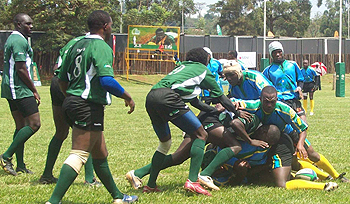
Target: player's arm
[
  {"x": 23, "y": 74},
  {"x": 228, "y": 105},
  {"x": 112, "y": 86},
  {"x": 63, "y": 86},
  {"x": 195, "y": 102},
  {"x": 239, "y": 128}
]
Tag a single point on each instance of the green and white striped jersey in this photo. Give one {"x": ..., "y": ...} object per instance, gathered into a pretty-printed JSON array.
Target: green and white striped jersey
[
  {"x": 189, "y": 79},
  {"x": 16, "y": 49},
  {"x": 86, "y": 61}
]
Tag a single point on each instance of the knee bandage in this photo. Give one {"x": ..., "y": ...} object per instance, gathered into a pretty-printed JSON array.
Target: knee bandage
[
  {"x": 76, "y": 159},
  {"x": 164, "y": 147}
]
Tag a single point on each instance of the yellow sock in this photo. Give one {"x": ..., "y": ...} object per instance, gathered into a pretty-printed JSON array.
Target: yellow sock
[
  {"x": 303, "y": 184},
  {"x": 305, "y": 104},
  {"x": 320, "y": 174},
  {"x": 312, "y": 105},
  {"x": 327, "y": 167}
]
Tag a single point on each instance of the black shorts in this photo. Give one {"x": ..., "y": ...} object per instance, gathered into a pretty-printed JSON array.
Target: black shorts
[
  {"x": 57, "y": 96},
  {"x": 309, "y": 87},
  {"x": 282, "y": 152},
  {"x": 209, "y": 121},
  {"x": 164, "y": 105},
  {"x": 296, "y": 105},
  {"x": 83, "y": 114},
  {"x": 26, "y": 106}
]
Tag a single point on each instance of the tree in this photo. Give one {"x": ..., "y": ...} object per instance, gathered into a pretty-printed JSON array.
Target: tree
[{"x": 330, "y": 19}]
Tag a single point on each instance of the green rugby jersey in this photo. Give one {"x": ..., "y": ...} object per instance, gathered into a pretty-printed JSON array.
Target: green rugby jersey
[
  {"x": 64, "y": 51},
  {"x": 189, "y": 79},
  {"x": 86, "y": 61},
  {"x": 16, "y": 49}
]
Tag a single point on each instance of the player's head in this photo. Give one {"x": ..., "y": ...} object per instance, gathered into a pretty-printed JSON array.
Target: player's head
[
  {"x": 197, "y": 55},
  {"x": 268, "y": 99},
  {"x": 23, "y": 24},
  {"x": 305, "y": 63},
  {"x": 233, "y": 73},
  {"x": 160, "y": 34},
  {"x": 210, "y": 53},
  {"x": 268, "y": 133},
  {"x": 232, "y": 55},
  {"x": 276, "y": 51},
  {"x": 100, "y": 22}
]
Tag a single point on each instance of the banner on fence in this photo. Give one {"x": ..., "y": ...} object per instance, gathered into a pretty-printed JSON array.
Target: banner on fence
[
  {"x": 248, "y": 59},
  {"x": 153, "y": 37}
]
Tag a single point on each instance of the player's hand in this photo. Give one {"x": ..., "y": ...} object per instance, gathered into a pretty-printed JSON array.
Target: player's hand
[
  {"x": 219, "y": 107},
  {"x": 298, "y": 89},
  {"x": 37, "y": 98},
  {"x": 300, "y": 149},
  {"x": 242, "y": 164},
  {"x": 131, "y": 104},
  {"x": 245, "y": 115},
  {"x": 259, "y": 143}
]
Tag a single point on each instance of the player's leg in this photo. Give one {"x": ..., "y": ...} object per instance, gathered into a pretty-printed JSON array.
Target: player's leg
[
  {"x": 61, "y": 132},
  {"x": 305, "y": 101},
  {"x": 20, "y": 123},
  {"x": 303, "y": 184},
  {"x": 312, "y": 102},
  {"x": 190, "y": 124},
  {"x": 29, "y": 110}
]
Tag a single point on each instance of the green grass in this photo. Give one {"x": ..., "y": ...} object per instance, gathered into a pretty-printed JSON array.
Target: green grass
[{"x": 131, "y": 143}]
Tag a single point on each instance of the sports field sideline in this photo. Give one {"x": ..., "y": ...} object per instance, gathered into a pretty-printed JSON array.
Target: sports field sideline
[{"x": 131, "y": 143}]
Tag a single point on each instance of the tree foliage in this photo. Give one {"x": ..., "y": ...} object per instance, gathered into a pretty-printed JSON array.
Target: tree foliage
[{"x": 330, "y": 19}]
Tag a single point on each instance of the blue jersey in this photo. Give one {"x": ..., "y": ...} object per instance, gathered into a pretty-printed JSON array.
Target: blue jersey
[
  {"x": 284, "y": 77},
  {"x": 281, "y": 116},
  {"x": 309, "y": 74},
  {"x": 251, "y": 86},
  {"x": 216, "y": 69}
]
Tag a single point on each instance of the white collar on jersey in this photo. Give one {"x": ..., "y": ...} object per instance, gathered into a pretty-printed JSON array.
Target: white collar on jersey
[
  {"x": 94, "y": 36},
  {"x": 17, "y": 33}
]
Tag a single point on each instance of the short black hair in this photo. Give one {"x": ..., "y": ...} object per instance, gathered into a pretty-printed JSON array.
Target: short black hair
[
  {"x": 269, "y": 90},
  {"x": 197, "y": 55},
  {"x": 233, "y": 53},
  {"x": 97, "y": 19},
  {"x": 159, "y": 30},
  {"x": 18, "y": 18}
]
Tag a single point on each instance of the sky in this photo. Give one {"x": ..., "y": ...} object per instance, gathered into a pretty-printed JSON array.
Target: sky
[{"x": 314, "y": 8}]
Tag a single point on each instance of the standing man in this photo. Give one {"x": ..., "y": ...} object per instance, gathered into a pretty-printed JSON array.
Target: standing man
[
  {"x": 215, "y": 68},
  {"x": 87, "y": 79},
  {"x": 232, "y": 55},
  {"x": 20, "y": 92},
  {"x": 310, "y": 85},
  {"x": 62, "y": 127},
  {"x": 286, "y": 77}
]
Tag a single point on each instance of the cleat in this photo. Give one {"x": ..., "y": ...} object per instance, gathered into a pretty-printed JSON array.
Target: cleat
[
  {"x": 7, "y": 166},
  {"x": 126, "y": 199},
  {"x": 135, "y": 181},
  {"x": 47, "y": 180},
  {"x": 195, "y": 187},
  {"x": 147, "y": 189},
  {"x": 311, "y": 113},
  {"x": 94, "y": 183},
  {"x": 330, "y": 186},
  {"x": 329, "y": 177},
  {"x": 342, "y": 178},
  {"x": 23, "y": 170},
  {"x": 50, "y": 203},
  {"x": 208, "y": 182}
]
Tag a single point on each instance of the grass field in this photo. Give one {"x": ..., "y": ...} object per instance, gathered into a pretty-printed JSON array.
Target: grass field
[{"x": 131, "y": 143}]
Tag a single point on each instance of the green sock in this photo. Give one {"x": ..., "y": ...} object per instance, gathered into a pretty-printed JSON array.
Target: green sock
[
  {"x": 67, "y": 176},
  {"x": 157, "y": 162},
  {"x": 52, "y": 153},
  {"x": 21, "y": 137},
  {"x": 89, "y": 170},
  {"x": 197, "y": 152},
  {"x": 143, "y": 171},
  {"x": 19, "y": 153},
  {"x": 104, "y": 174},
  {"x": 221, "y": 157}
]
